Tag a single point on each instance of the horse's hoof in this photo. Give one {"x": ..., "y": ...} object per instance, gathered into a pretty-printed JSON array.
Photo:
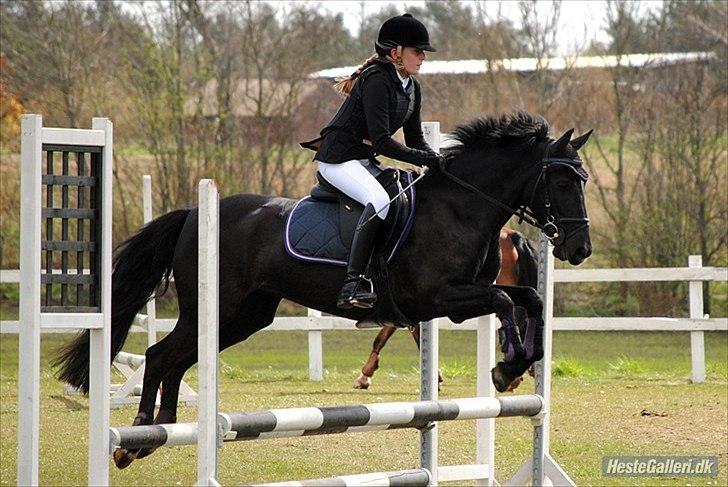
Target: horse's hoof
[
  {"x": 362, "y": 382},
  {"x": 144, "y": 452},
  {"x": 532, "y": 371},
  {"x": 123, "y": 458},
  {"x": 500, "y": 381},
  {"x": 513, "y": 385}
]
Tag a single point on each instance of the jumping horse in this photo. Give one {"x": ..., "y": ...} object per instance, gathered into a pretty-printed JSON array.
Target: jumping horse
[
  {"x": 500, "y": 166},
  {"x": 519, "y": 267}
]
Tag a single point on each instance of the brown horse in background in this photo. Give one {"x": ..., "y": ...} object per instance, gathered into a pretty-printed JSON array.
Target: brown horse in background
[{"x": 519, "y": 267}]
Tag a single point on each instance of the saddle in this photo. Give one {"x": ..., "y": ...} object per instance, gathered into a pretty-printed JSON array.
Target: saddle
[{"x": 320, "y": 229}]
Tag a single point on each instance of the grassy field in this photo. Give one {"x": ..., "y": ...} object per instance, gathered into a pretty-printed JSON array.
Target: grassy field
[{"x": 613, "y": 394}]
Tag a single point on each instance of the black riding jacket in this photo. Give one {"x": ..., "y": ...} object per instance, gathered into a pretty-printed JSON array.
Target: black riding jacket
[{"x": 375, "y": 109}]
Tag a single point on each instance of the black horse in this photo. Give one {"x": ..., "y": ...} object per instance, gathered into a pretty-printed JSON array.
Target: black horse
[{"x": 445, "y": 268}]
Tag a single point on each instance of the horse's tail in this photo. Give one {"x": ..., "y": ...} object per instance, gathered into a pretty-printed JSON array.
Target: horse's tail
[
  {"x": 141, "y": 264},
  {"x": 527, "y": 260}
]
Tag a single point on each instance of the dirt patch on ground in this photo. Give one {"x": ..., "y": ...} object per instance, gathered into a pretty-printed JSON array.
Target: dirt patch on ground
[{"x": 674, "y": 418}]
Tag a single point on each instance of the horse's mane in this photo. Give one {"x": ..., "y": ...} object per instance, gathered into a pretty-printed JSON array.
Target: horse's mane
[{"x": 520, "y": 129}]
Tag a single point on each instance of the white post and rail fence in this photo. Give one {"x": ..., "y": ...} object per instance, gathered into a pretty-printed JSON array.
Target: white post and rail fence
[
  {"x": 315, "y": 324},
  {"x": 694, "y": 274}
]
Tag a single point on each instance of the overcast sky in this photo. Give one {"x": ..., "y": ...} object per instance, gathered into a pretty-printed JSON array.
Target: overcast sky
[{"x": 581, "y": 20}]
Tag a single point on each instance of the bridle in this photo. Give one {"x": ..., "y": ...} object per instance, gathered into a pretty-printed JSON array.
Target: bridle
[{"x": 553, "y": 229}]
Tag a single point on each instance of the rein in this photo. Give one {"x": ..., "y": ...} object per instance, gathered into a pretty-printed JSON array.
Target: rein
[
  {"x": 551, "y": 228},
  {"x": 522, "y": 212}
]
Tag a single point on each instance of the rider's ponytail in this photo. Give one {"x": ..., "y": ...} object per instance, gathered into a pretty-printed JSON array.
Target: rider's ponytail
[{"x": 344, "y": 85}]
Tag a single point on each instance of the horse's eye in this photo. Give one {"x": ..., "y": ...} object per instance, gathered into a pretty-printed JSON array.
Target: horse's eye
[{"x": 563, "y": 185}]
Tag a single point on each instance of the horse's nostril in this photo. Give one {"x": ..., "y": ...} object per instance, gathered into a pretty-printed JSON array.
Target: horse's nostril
[{"x": 584, "y": 252}]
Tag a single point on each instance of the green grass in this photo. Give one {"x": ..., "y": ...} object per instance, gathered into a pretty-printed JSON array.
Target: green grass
[
  {"x": 626, "y": 367},
  {"x": 567, "y": 367},
  {"x": 606, "y": 386}
]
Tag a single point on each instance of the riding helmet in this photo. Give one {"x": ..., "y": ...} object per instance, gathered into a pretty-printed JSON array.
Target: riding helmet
[{"x": 406, "y": 31}]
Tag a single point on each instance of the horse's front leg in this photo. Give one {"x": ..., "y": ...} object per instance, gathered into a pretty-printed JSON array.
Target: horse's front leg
[
  {"x": 532, "y": 334},
  {"x": 527, "y": 299},
  {"x": 462, "y": 302}
]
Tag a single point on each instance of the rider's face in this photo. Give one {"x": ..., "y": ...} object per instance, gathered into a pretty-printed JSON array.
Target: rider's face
[{"x": 412, "y": 58}]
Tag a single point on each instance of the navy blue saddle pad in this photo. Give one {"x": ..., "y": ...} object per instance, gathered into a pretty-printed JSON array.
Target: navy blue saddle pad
[{"x": 313, "y": 232}]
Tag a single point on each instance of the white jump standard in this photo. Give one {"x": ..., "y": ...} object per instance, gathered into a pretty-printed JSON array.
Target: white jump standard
[{"x": 83, "y": 174}]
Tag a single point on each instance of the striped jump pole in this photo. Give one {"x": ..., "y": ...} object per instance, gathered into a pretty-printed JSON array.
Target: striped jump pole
[
  {"x": 309, "y": 421},
  {"x": 405, "y": 478},
  {"x": 130, "y": 359}
]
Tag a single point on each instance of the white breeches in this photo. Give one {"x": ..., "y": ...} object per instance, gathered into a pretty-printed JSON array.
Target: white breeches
[{"x": 356, "y": 179}]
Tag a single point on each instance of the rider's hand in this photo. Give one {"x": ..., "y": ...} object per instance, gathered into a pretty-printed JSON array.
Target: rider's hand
[{"x": 435, "y": 161}]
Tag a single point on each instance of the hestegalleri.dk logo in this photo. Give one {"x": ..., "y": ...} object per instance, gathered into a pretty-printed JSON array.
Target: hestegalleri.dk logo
[{"x": 660, "y": 466}]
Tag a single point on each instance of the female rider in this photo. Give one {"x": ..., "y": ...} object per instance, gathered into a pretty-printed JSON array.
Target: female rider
[{"x": 382, "y": 96}]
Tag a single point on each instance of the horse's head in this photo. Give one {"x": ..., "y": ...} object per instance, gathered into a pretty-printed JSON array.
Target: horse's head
[
  {"x": 512, "y": 163},
  {"x": 558, "y": 199}
]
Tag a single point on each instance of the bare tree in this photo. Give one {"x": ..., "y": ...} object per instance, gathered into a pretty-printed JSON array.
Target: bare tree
[
  {"x": 51, "y": 47},
  {"x": 210, "y": 112},
  {"x": 540, "y": 31},
  {"x": 615, "y": 173},
  {"x": 217, "y": 91},
  {"x": 692, "y": 151},
  {"x": 282, "y": 48},
  {"x": 657, "y": 160}
]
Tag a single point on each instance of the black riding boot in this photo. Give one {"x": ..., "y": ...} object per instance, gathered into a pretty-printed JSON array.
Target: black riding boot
[{"x": 357, "y": 292}]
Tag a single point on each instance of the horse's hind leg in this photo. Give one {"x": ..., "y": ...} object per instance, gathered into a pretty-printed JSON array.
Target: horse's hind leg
[
  {"x": 179, "y": 359},
  {"x": 156, "y": 367},
  {"x": 254, "y": 313}
]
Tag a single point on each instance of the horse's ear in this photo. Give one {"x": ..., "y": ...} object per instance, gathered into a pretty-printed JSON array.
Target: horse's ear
[
  {"x": 559, "y": 146},
  {"x": 578, "y": 142}
]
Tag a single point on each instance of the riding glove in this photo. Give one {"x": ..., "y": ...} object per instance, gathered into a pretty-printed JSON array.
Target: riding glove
[
  {"x": 389, "y": 147},
  {"x": 436, "y": 161}
]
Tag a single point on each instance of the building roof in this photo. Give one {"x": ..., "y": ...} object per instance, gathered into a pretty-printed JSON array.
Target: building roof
[{"x": 476, "y": 66}]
